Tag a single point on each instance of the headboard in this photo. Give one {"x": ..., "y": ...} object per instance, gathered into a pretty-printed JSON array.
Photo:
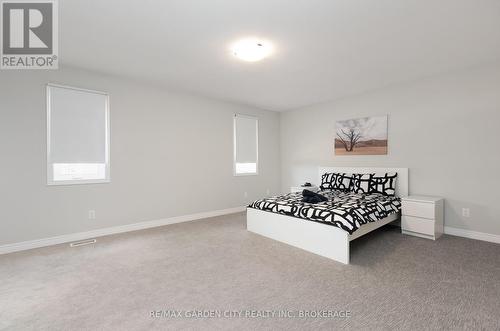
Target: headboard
[{"x": 401, "y": 183}]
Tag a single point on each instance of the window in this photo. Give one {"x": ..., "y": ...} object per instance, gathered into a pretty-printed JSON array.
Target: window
[
  {"x": 246, "y": 141},
  {"x": 77, "y": 136}
]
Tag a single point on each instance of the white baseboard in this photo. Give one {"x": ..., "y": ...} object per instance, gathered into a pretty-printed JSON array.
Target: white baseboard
[
  {"x": 494, "y": 238},
  {"x": 25, "y": 245}
]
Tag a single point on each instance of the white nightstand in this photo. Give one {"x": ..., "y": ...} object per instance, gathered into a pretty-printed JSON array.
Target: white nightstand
[
  {"x": 422, "y": 216},
  {"x": 294, "y": 189}
]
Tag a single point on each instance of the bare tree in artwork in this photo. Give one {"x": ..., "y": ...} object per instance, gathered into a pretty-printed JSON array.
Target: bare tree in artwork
[
  {"x": 360, "y": 136},
  {"x": 349, "y": 139}
]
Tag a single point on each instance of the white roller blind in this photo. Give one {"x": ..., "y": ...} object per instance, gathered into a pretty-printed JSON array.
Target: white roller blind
[
  {"x": 245, "y": 144},
  {"x": 78, "y": 134}
]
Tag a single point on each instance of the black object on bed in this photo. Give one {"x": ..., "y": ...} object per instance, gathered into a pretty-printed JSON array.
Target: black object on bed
[{"x": 312, "y": 197}]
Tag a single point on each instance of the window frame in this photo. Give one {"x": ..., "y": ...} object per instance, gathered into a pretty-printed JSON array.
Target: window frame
[
  {"x": 50, "y": 174},
  {"x": 256, "y": 145}
]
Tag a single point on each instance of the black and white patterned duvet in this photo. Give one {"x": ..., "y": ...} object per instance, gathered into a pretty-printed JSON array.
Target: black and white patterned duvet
[{"x": 347, "y": 211}]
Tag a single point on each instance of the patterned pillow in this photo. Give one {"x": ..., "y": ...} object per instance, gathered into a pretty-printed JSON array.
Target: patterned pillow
[
  {"x": 384, "y": 183},
  {"x": 335, "y": 181},
  {"x": 341, "y": 182},
  {"x": 326, "y": 181},
  {"x": 360, "y": 183}
]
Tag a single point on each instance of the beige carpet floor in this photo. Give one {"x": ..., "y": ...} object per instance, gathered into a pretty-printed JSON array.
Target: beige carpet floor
[{"x": 216, "y": 266}]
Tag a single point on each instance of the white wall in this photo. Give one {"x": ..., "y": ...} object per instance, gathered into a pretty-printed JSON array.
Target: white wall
[
  {"x": 171, "y": 155},
  {"x": 446, "y": 129}
]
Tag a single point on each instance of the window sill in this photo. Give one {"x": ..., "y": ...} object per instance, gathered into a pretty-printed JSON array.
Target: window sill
[{"x": 78, "y": 182}]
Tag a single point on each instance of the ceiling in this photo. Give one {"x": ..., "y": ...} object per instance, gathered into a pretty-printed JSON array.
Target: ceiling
[{"x": 324, "y": 49}]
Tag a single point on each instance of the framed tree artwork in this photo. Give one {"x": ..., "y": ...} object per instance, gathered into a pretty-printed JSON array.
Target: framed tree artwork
[{"x": 361, "y": 136}]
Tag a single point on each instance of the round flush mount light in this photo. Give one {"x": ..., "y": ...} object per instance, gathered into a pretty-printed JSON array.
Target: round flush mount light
[{"x": 251, "y": 49}]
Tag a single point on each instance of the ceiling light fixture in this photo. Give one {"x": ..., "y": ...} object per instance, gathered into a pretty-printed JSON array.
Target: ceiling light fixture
[{"x": 252, "y": 49}]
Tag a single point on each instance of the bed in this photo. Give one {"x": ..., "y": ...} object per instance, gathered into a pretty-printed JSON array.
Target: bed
[{"x": 327, "y": 228}]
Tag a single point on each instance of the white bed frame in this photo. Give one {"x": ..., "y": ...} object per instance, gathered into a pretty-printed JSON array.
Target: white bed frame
[{"x": 322, "y": 239}]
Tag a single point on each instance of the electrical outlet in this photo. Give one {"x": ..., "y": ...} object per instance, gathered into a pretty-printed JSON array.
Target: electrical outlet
[
  {"x": 245, "y": 194},
  {"x": 91, "y": 214},
  {"x": 466, "y": 212},
  {"x": 268, "y": 191}
]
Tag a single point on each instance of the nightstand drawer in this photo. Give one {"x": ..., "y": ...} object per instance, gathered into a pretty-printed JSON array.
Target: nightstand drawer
[
  {"x": 418, "y": 225},
  {"x": 419, "y": 209}
]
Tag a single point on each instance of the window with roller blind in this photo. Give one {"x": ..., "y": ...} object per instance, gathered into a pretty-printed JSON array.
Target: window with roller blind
[
  {"x": 246, "y": 141},
  {"x": 77, "y": 136}
]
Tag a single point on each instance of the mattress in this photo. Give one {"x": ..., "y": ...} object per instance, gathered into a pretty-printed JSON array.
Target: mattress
[{"x": 346, "y": 210}]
